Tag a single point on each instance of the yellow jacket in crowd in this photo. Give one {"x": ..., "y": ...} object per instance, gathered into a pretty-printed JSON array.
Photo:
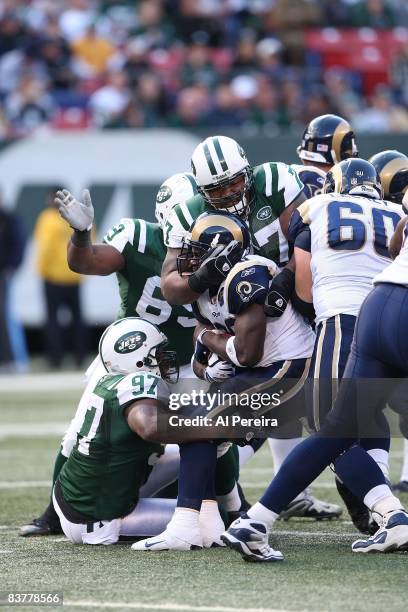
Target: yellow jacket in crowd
[{"x": 51, "y": 235}]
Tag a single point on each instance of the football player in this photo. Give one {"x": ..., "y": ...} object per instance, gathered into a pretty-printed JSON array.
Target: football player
[
  {"x": 96, "y": 493},
  {"x": 392, "y": 166},
  {"x": 265, "y": 196},
  {"x": 326, "y": 140},
  {"x": 356, "y": 230},
  {"x": 266, "y": 350},
  {"x": 134, "y": 250}
]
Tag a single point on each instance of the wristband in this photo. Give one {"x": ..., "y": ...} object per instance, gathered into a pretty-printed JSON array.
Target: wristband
[
  {"x": 231, "y": 352},
  {"x": 81, "y": 239}
]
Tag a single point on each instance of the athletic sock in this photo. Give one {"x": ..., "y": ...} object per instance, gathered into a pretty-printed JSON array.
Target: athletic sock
[
  {"x": 197, "y": 465},
  {"x": 260, "y": 513},
  {"x": 280, "y": 449},
  {"x": 231, "y": 501}
]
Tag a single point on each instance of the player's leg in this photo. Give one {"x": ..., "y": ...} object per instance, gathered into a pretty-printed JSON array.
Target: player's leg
[
  {"x": 196, "y": 483},
  {"x": 99, "y": 532},
  {"x": 321, "y": 449},
  {"x": 399, "y": 403}
]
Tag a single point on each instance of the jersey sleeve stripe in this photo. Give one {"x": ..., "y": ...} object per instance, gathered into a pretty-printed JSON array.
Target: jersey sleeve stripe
[
  {"x": 186, "y": 220},
  {"x": 142, "y": 236},
  {"x": 275, "y": 178},
  {"x": 268, "y": 179}
]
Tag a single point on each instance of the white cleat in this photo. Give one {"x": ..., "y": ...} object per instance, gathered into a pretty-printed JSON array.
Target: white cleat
[
  {"x": 249, "y": 537},
  {"x": 392, "y": 535},
  {"x": 212, "y": 532},
  {"x": 172, "y": 539}
]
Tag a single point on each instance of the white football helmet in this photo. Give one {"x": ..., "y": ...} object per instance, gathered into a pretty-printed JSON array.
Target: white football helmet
[
  {"x": 174, "y": 190},
  {"x": 223, "y": 174},
  {"x": 133, "y": 344}
]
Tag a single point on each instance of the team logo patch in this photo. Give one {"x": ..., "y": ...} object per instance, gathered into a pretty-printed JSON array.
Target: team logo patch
[
  {"x": 248, "y": 272},
  {"x": 164, "y": 194},
  {"x": 129, "y": 342},
  {"x": 264, "y": 213},
  {"x": 247, "y": 290}
]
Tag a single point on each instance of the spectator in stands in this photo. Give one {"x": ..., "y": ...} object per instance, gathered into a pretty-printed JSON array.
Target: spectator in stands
[
  {"x": 225, "y": 112},
  {"x": 92, "y": 54},
  {"x": 382, "y": 115},
  {"x": 61, "y": 286},
  {"x": 76, "y": 19},
  {"x": 399, "y": 74},
  {"x": 111, "y": 100},
  {"x": 192, "y": 107},
  {"x": 340, "y": 93},
  {"x": 151, "y": 100},
  {"x": 372, "y": 14},
  {"x": 29, "y": 107},
  {"x": 12, "y": 245},
  {"x": 13, "y": 34},
  {"x": 198, "y": 67}
]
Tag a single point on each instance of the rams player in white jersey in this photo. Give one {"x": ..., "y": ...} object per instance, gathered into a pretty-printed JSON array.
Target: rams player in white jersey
[
  {"x": 377, "y": 352},
  {"x": 341, "y": 242}
]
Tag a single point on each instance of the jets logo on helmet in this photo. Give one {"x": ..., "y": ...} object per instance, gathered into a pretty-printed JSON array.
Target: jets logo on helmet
[
  {"x": 392, "y": 166},
  {"x": 223, "y": 174},
  {"x": 355, "y": 177},
  {"x": 130, "y": 342},
  {"x": 208, "y": 231},
  {"x": 133, "y": 344},
  {"x": 176, "y": 189}
]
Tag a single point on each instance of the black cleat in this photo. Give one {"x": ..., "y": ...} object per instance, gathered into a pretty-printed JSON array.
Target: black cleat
[
  {"x": 358, "y": 511},
  {"x": 39, "y": 527}
]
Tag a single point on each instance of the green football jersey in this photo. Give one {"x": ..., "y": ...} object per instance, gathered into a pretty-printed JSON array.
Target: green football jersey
[
  {"x": 141, "y": 244},
  {"x": 276, "y": 185},
  {"x": 109, "y": 462}
]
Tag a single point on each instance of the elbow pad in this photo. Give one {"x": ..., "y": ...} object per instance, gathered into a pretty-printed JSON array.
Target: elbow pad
[{"x": 304, "y": 308}]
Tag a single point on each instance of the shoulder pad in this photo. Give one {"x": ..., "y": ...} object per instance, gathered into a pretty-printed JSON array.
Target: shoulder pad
[{"x": 247, "y": 283}]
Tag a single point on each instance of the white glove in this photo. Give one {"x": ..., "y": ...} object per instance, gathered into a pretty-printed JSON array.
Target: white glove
[
  {"x": 218, "y": 370},
  {"x": 79, "y": 215}
]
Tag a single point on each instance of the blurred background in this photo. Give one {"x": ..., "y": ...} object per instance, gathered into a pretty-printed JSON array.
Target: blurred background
[{"x": 115, "y": 94}]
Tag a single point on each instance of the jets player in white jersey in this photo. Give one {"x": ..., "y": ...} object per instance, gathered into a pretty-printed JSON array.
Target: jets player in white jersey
[{"x": 341, "y": 242}]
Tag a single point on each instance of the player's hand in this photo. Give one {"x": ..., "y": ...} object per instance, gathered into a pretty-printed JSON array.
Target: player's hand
[
  {"x": 79, "y": 215},
  {"x": 201, "y": 352},
  {"x": 216, "y": 266},
  {"x": 279, "y": 294},
  {"x": 218, "y": 370}
]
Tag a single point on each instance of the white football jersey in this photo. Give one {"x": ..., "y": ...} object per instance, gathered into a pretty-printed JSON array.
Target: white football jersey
[
  {"x": 397, "y": 271},
  {"x": 287, "y": 337},
  {"x": 348, "y": 238}
]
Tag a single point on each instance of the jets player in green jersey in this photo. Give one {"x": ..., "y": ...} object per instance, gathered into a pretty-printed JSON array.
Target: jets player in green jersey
[
  {"x": 264, "y": 195},
  {"x": 134, "y": 249},
  {"x": 96, "y": 494}
]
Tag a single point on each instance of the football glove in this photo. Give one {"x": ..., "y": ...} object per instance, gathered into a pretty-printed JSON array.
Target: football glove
[
  {"x": 216, "y": 266},
  {"x": 201, "y": 352},
  {"x": 279, "y": 294},
  {"x": 218, "y": 370},
  {"x": 79, "y": 215}
]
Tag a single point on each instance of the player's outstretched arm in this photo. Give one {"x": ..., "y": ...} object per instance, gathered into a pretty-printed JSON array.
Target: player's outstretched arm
[
  {"x": 396, "y": 240},
  {"x": 175, "y": 288}
]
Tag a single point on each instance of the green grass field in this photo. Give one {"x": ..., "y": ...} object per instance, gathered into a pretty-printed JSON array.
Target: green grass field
[{"x": 319, "y": 572}]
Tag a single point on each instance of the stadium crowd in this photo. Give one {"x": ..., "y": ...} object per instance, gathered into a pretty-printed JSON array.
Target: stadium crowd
[{"x": 260, "y": 64}]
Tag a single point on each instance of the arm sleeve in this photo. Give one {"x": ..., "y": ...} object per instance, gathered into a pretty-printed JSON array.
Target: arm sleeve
[
  {"x": 142, "y": 385},
  {"x": 299, "y": 229},
  {"x": 124, "y": 232}
]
